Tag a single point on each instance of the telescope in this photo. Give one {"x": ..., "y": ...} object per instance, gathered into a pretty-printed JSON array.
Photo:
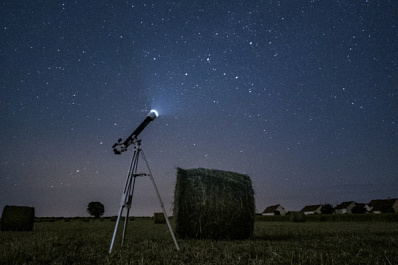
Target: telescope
[
  {"x": 120, "y": 146},
  {"x": 127, "y": 196}
]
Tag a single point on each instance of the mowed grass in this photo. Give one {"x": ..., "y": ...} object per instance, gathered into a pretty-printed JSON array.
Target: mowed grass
[{"x": 78, "y": 242}]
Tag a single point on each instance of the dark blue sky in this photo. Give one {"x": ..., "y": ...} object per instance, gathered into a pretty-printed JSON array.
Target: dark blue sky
[{"x": 300, "y": 95}]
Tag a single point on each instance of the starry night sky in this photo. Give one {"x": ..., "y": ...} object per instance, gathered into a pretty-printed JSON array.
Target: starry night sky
[{"x": 302, "y": 96}]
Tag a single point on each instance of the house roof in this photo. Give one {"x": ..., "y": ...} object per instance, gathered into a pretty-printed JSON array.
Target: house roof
[
  {"x": 344, "y": 205},
  {"x": 311, "y": 208},
  {"x": 373, "y": 203},
  {"x": 382, "y": 205},
  {"x": 272, "y": 209}
]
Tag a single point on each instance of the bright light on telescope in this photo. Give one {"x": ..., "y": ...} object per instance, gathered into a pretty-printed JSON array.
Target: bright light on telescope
[
  {"x": 153, "y": 114},
  {"x": 154, "y": 111}
]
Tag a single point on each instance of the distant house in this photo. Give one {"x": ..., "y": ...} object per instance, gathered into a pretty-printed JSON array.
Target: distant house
[
  {"x": 384, "y": 206},
  {"x": 274, "y": 210},
  {"x": 312, "y": 209},
  {"x": 344, "y": 207},
  {"x": 368, "y": 208},
  {"x": 360, "y": 208}
]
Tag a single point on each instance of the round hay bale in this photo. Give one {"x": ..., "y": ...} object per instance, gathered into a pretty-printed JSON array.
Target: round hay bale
[
  {"x": 297, "y": 217},
  {"x": 213, "y": 204},
  {"x": 159, "y": 218},
  {"x": 17, "y": 218}
]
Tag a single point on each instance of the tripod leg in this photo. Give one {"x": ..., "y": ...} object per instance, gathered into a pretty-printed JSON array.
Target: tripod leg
[
  {"x": 125, "y": 201},
  {"x": 161, "y": 203},
  {"x": 125, "y": 223},
  {"x": 128, "y": 203},
  {"x": 116, "y": 226}
]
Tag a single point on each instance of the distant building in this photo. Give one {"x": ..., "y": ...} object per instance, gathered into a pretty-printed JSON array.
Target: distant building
[
  {"x": 312, "y": 209},
  {"x": 274, "y": 210},
  {"x": 383, "y": 206},
  {"x": 345, "y": 207},
  {"x": 360, "y": 208}
]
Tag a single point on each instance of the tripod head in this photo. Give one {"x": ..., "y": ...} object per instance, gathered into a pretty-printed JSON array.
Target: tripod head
[{"x": 120, "y": 146}]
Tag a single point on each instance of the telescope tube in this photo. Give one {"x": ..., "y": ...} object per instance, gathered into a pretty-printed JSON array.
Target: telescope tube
[{"x": 123, "y": 146}]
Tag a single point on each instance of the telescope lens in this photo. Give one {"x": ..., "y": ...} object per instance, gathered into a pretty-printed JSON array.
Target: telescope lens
[
  {"x": 153, "y": 114},
  {"x": 156, "y": 113}
]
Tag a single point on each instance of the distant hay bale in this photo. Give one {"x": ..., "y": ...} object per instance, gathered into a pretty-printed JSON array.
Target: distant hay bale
[
  {"x": 159, "y": 218},
  {"x": 297, "y": 217},
  {"x": 213, "y": 204},
  {"x": 17, "y": 218}
]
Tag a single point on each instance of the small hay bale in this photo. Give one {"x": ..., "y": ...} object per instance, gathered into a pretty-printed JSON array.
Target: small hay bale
[
  {"x": 297, "y": 217},
  {"x": 213, "y": 204},
  {"x": 159, "y": 218},
  {"x": 17, "y": 218}
]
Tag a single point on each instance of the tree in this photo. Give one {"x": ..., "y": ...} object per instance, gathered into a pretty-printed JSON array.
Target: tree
[
  {"x": 327, "y": 209},
  {"x": 96, "y": 209}
]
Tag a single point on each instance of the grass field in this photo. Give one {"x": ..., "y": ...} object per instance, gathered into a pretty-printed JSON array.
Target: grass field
[{"x": 277, "y": 242}]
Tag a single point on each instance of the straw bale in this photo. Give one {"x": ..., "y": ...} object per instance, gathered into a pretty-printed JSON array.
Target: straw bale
[
  {"x": 159, "y": 218},
  {"x": 297, "y": 217},
  {"x": 17, "y": 218},
  {"x": 213, "y": 204}
]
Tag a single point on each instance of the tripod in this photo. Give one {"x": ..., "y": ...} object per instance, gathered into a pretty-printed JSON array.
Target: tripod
[{"x": 128, "y": 192}]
